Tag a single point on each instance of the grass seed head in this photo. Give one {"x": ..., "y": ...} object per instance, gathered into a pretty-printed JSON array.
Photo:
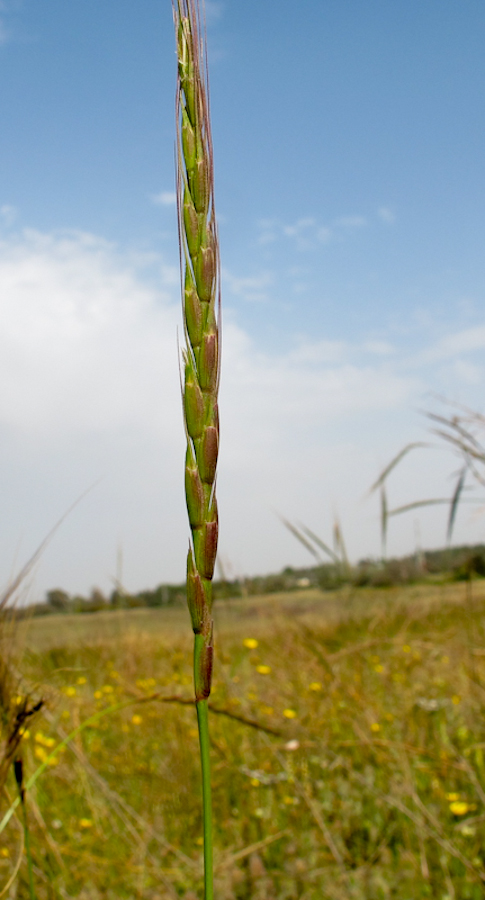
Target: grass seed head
[{"x": 199, "y": 255}]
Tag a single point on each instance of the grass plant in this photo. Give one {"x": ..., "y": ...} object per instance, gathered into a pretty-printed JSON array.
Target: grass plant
[{"x": 201, "y": 301}]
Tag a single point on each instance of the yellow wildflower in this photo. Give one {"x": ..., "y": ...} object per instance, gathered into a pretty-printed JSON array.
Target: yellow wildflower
[{"x": 459, "y": 807}]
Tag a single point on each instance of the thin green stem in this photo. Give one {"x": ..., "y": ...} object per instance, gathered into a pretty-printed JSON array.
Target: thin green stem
[
  {"x": 29, "y": 854},
  {"x": 203, "y": 723},
  {"x": 27, "y": 845}
]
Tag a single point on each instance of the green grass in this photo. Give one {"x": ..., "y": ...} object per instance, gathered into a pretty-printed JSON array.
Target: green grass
[{"x": 367, "y": 779}]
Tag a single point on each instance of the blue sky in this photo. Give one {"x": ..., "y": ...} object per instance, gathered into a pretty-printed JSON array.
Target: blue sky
[{"x": 349, "y": 150}]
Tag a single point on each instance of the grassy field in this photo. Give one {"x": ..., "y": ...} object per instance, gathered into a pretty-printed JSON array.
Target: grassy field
[{"x": 348, "y": 740}]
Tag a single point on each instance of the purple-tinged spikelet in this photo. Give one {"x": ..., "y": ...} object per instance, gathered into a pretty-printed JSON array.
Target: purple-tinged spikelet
[{"x": 199, "y": 258}]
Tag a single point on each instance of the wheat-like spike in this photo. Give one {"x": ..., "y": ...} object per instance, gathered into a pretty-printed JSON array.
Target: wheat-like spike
[{"x": 199, "y": 259}]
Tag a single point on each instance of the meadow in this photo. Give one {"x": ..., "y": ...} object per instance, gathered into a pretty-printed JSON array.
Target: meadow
[{"x": 347, "y": 733}]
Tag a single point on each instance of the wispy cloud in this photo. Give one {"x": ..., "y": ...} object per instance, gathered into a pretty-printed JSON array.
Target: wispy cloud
[
  {"x": 6, "y": 30},
  {"x": 467, "y": 372},
  {"x": 303, "y": 232},
  {"x": 268, "y": 231},
  {"x": 252, "y": 288},
  {"x": 8, "y": 214},
  {"x": 351, "y": 221},
  {"x": 307, "y": 232},
  {"x": 319, "y": 352},
  {"x": 386, "y": 215},
  {"x": 379, "y": 348},
  {"x": 164, "y": 198},
  {"x": 468, "y": 340},
  {"x": 214, "y": 10}
]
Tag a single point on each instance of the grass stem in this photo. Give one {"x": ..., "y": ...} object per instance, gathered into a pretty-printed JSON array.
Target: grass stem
[
  {"x": 28, "y": 851},
  {"x": 203, "y": 723},
  {"x": 19, "y": 778}
]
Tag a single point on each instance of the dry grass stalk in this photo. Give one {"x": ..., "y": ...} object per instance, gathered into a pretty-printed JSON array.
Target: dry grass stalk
[
  {"x": 17, "y": 707},
  {"x": 461, "y": 432}
]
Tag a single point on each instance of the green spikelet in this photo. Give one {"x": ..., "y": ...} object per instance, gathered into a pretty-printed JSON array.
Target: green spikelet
[{"x": 200, "y": 280}]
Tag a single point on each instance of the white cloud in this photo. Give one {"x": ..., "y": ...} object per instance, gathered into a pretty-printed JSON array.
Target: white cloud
[
  {"x": 252, "y": 288},
  {"x": 306, "y": 232},
  {"x": 379, "y": 348},
  {"x": 5, "y": 33},
  {"x": 320, "y": 352},
  {"x": 324, "y": 234},
  {"x": 314, "y": 377},
  {"x": 164, "y": 198},
  {"x": 8, "y": 214},
  {"x": 300, "y": 226},
  {"x": 467, "y": 372},
  {"x": 467, "y": 340},
  {"x": 351, "y": 221},
  {"x": 214, "y": 10},
  {"x": 268, "y": 231},
  {"x": 75, "y": 335},
  {"x": 386, "y": 215},
  {"x": 89, "y": 392}
]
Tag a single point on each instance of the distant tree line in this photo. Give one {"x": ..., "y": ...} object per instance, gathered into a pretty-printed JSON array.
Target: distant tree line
[{"x": 451, "y": 563}]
